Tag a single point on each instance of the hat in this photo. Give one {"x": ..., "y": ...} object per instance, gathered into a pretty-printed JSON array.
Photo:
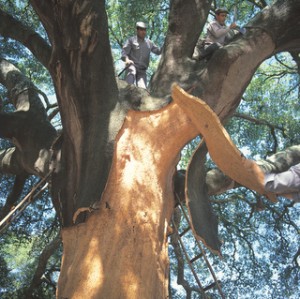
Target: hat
[
  {"x": 141, "y": 25},
  {"x": 220, "y": 10}
]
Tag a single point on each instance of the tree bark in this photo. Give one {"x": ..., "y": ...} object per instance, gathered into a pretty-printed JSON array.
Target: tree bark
[
  {"x": 12, "y": 28},
  {"x": 129, "y": 226},
  {"x": 121, "y": 250},
  {"x": 81, "y": 66},
  {"x": 27, "y": 127}
]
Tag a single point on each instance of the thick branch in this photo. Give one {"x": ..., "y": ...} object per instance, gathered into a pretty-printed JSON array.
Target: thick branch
[
  {"x": 28, "y": 127},
  {"x": 260, "y": 4},
  {"x": 217, "y": 182},
  {"x": 12, "y": 28},
  {"x": 224, "y": 68},
  {"x": 282, "y": 160},
  {"x": 10, "y": 161},
  {"x": 281, "y": 21},
  {"x": 9, "y": 124},
  {"x": 275, "y": 29},
  {"x": 21, "y": 91},
  {"x": 296, "y": 57},
  {"x": 45, "y": 11},
  {"x": 186, "y": 21}
]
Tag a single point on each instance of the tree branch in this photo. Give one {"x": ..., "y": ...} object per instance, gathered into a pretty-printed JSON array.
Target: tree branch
[
  {"x": 283, "y": 27},
  {"x": 10, "y": 161},
  {"x": 282, "y": 160},
  {"x": 186, "y": 21},
  {"x": 8, "y": 124},
  {"x": 48, "y": 251},
  {"x": 261, "y": 4},
  {"x": 267, "y": 34},
  {"x": 217, "y": 182},
  {"x": 12, "y": 28},
  {"x": 45, "y": 11},
  {"x": 258, "y": 121},
  {"x": 296, "y": 57},
  {"x": 28, "y": 127}
]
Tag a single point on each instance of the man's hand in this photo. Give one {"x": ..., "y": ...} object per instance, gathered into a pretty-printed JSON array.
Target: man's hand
[
  {"x": 232, "y": 26},
  {"x": 128, "y": 62}
]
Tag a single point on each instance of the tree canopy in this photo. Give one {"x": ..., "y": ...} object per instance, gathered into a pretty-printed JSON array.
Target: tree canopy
[{"x": 63, "y": 108}]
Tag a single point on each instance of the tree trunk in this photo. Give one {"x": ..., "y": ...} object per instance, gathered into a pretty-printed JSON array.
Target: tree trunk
[
  {"x": 121, "y": 250},
  {"x": 128, "y": 230}
]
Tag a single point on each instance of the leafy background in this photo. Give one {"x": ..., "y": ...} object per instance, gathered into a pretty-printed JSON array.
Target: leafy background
[{"x": 260, "y": 252}]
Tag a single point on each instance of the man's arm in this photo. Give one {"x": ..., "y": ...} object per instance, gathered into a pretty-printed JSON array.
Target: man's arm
[
  {"x": 217, "y": 31},
  {"x": 287, "y": 182},
  {"x": 154, "y": 48},
  {"x": 126, "y": 51}
]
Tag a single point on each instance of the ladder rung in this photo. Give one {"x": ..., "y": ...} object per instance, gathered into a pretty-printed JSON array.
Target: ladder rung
[
  {"x": 196, "y": 257},
  {"x": 210, "y": 286},
  {"x": 185, "y": 231}
]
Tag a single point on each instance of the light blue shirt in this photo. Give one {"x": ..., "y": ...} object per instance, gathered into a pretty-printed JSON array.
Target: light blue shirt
[
  {"x": 216, "y": 33},
  {"x": 287, "y": 182}
]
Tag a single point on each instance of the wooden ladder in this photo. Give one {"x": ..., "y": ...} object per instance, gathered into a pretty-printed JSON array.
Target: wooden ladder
[
  {"x": 201, "y": 254},
  {"x": 27, "y": 200}
]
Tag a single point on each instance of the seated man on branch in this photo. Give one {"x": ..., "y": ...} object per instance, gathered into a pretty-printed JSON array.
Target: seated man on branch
[{"x": 218, "y": 34}]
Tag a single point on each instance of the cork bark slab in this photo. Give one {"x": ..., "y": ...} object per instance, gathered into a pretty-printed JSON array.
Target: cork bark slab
[{"x": 220, "y": 146}]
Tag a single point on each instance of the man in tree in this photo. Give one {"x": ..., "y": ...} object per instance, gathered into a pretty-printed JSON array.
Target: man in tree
[
  {"x": 287, "y": 182},
  {"x": 217, "y": 35},
  {"x": 136, "y": 54}
]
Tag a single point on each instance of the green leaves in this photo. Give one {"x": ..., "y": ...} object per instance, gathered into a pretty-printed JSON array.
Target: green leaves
[{"x": 269, "y": 102}]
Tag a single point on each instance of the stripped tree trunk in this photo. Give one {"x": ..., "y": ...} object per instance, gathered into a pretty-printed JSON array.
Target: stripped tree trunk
[
  {"x": 125, "y": 239},
  {"x": 121, "y": 250}
]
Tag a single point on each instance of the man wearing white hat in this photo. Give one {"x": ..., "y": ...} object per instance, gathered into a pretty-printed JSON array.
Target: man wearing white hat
[{"x": 136, "y": 55}]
